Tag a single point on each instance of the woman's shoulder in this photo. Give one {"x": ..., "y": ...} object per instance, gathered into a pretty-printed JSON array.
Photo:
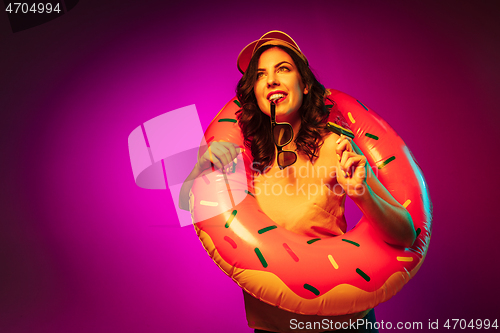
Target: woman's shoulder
[{"x": 329, "y": 142}]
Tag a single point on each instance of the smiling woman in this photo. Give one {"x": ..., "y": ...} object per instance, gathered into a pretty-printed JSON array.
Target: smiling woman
[
  {"x": 280, "y": 96},
  {"x": 278, "y": 79},
  {"x": 255, "y": 89}
]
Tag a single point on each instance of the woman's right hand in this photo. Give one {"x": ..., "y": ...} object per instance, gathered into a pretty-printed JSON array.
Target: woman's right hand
[{"x": 221, "y": 154}]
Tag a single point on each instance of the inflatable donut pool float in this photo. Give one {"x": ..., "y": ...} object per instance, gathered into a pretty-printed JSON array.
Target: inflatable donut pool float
[{"x": 321, "y": 276}]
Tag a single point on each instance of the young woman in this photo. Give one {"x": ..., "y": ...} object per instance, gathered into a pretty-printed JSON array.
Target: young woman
[{"x": 312, "y": 168}]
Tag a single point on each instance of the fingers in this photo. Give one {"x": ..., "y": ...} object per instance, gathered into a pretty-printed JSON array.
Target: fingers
[
  {"x": 355, "y": 163},
  {"x": 352, "y": 167},
  {"x": 233, "y": 149},
  {"x": 343, "y": 149},
  {"x": 349, "y": 160},
  {"x": 223, "y": 154},
  {"x": 343, "y": 162},
  {"x": 217, "y": 163},
  {"x": 343, "y": 144}
]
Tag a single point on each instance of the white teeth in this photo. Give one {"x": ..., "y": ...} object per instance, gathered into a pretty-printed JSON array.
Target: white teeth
[{"x": 275, "y": 97}]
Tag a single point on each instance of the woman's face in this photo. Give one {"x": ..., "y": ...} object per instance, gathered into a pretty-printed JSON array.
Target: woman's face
[{"x": 277, "y": 76}]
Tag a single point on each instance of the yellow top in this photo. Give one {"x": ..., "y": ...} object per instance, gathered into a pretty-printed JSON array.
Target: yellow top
[{"x": 304, "y": 198}]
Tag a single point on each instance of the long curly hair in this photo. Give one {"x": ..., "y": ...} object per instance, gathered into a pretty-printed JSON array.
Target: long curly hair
[{"x": 256, "y": 125}]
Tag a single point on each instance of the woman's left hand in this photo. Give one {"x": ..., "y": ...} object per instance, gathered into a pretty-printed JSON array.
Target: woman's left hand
[{"x": 352, "y": 173}]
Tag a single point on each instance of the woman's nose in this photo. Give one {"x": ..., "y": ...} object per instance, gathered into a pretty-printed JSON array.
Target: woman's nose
[{"x": 272, "y": 80}]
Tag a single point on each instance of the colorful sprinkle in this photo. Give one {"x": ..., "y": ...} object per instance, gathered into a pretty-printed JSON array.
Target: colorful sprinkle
[
  {"x": 339, "y": 130},
  {"x": 418, "y": 231},
  {"x": 363, "y": 275},
  {"x": 371, "y": 136},
  {"x": 210, "y": 139},
  {"x": 261, "y": 257},
  {"x": 333, "y": 262},
  {"x": 230, "y": 241},
  {"x": 350, "y": 242},
  {"x": 329, "y": 106},
  {"x": 209, "y": 203},
  {"x": 311, "y": 289},
  {"x": 387, "y": 161},
  {"x": 248, "y": 192},
  {"x": 237, "y": 103},
  {"x": 230, "y": 219},
  {"x": 290, "y": 252},
  {"x": 313, "y": 240},
  {"x": 404, "y": 258},
  {"x": 407, "y": 202},
  {"x": 205, "y": 178},
  {"x": 229, "y": 120},
  {"x": 263, "y": 230},
  {"x": 362, "y": 105},
  {"x": 351, "y": 117}
]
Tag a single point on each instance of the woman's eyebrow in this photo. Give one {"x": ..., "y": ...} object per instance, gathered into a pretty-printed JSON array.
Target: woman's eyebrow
[
  {"x": 281, "y": 63},
  {"x": 275, "y": 66}
]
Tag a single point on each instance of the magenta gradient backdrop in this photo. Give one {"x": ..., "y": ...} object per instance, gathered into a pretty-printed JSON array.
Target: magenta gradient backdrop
[{"x": 86, "y": 250}]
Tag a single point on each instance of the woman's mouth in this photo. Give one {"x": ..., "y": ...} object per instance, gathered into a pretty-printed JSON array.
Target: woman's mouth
[{"x": 277, "y": 97}]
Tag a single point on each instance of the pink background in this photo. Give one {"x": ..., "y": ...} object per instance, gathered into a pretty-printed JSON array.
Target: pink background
[{"x": 83, "y": 249}]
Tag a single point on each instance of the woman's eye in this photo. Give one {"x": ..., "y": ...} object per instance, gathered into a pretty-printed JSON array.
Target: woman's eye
[
  {"x": 260, "y": 74},
  {"x": 283, "y": 69}
]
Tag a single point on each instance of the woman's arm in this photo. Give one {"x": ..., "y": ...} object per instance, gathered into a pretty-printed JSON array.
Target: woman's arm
[
  {"x": 377, "y": 204},
  {"x": 220, "y": 154},
  {"x": 186, "y": 186}
]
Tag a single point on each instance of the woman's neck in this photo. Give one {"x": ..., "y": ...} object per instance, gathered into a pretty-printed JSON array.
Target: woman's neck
[{"x": 293, "y": 120}]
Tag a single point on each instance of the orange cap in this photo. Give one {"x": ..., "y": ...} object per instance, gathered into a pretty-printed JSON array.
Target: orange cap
[{"x": 274, "y": 37}]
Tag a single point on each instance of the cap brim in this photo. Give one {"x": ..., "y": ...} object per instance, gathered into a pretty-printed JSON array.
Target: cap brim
[{"x": 246, "y": 54}]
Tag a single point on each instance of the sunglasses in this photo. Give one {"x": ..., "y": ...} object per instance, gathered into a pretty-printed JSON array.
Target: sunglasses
[{"x": 282, "y": 135}]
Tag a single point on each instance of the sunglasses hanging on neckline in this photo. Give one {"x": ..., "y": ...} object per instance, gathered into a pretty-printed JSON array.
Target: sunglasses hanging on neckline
[{"x": 282, "y": 135}]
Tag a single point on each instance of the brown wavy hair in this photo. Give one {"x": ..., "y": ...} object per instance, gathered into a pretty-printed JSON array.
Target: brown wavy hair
[{"x": 256, "y": 125}]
